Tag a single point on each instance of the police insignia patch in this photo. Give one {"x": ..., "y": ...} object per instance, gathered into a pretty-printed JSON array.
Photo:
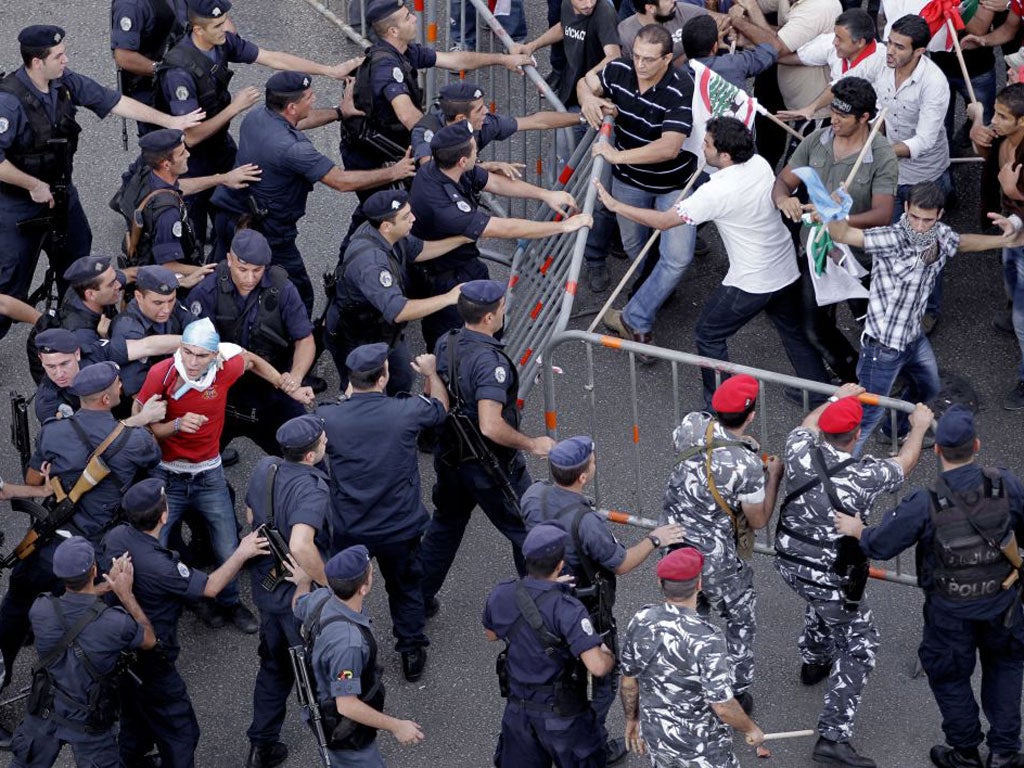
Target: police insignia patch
[
  {"x": 463, "y": 206},
  {"x": 126, "y": 23},
  {"x": 499, "y": 374},
  {"x": 397, "y": 74},
  {"x": 428, "y": 136},
  {"x": 385, "y": 278},
  {"x": 4, "y": 125},
  {"x": 345, "y": 674},
  {"x": 587, "y": 627},
  {"x": 65, "y": 411},
  {"x": 183, "y": 570},
  {"x": 176, "y": 229},
  {"x": 196, "y": 308},
  {"x": 181, "y": 93}
]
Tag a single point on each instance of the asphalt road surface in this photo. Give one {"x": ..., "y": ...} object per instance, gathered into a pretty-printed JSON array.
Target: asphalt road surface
[{"x": 457, "y": 701}]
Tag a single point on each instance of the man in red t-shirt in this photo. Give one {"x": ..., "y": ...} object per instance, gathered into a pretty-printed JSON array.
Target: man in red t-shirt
[{"x": 195, "y": 383}]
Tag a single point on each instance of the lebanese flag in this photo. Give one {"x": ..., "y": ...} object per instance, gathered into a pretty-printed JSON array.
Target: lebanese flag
[
  {"x": 937, "y": 12},
  {"x": 714, "y": 96}
]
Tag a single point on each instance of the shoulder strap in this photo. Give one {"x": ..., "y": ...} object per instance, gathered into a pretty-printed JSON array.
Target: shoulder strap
[
  {"x": 814, "y": 481},
  {"x": 709, "y": 448},
  {"x": 821, "y": 468},
  {"x": 588, "y": 565},
  {"x": 70, "y": 633},
  {"x": 531, "y": 613},
  {"x": 453, "y": 370},
  {"x": 271, "y": 480},
  {"x": 137, "y": 224},
  {"x": 110, "y": 447}
]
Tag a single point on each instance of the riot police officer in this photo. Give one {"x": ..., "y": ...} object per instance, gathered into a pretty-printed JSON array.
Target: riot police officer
[
  {"x": 290, "y": 165},
  {"x": 252, "y": 303},
  {"x": 551, "y": 645},
  {"x": 60, "y": 358},
  {"x": 839, "y": 639},
  {"x": 370, "y": 304},
  {"x": 38, "y": 139},
  {"x": 291, "y": 497},
  {"x": 67, "y": 444},
  {"x": 195, "y": 73},
  {"x": 966, "y": 526},
  {"x": 340, "y": 637},
  {"x": 160, "y": 710},
  {"x": 445, "y": 202},
  {"x": 371, "y": 442},
  {"x": 592, "y": 554},
  {"x": 718, "y": 509},
  {"x": 489, "y": 471},
  {"x": 81, "y": 644}
]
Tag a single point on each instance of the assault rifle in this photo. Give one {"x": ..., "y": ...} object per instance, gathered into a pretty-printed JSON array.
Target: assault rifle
[
  {"x": 278, "y": 575},
  {"x": 306, "y": 693},
  {"x": 21, "y": 437},
  {"x": 53, "y": 225}
]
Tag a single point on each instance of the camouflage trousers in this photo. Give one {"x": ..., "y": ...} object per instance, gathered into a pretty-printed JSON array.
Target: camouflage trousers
[
  {"x": 732, "y": 597},
  {"x": 698, "y": 762},
  {"x": 846, "y": 639}
]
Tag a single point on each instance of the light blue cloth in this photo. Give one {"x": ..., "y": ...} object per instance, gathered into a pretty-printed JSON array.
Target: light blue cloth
[{"x": 828, "y": 208}]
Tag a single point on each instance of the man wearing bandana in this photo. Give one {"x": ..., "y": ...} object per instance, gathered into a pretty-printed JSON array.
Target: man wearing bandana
[
  {"x": 907, "y": 258},
  {"x": 195, "y": 384}
]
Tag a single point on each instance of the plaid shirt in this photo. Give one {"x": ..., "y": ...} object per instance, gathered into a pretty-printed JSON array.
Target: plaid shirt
[{"x": 901, "y": 282}]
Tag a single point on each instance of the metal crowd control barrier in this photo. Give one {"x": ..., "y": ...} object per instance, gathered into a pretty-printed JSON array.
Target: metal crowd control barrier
[{"x": 588, "y": 382}]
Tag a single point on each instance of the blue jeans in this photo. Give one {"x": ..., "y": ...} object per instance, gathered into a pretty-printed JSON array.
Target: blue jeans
[
  {"x": 514, "y": 23},
  {"x": 902, "y": 193},
  {"x": 207, "y": 493},
  {"x": 877, "y": 370},
  {"x": 1013, "y": 279},
  {"x": 984, "y": 89}
]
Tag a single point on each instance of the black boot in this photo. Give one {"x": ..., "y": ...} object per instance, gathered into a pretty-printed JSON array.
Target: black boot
[
  {"x": 839, "y": 753},
  {"x": 267, "y": 755},
  {"x": 952, "y": 757},
  {"x": 812, "y": 674},
  {"x": 1005, "y": 760}
]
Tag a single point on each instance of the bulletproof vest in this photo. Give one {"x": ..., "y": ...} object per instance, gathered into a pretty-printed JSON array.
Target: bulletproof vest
[
  {"x": 141, "y": 224},
  {"x": 967, "y": 532},
  {"x": 43, "y": 158},
  {"x": 154, "y": 44},
  {"x": 359, "y": 322},
  {"x": 267, "y": 335},
  {"x": 211, "y": 81},
  {"x": 379, "y": 114}
]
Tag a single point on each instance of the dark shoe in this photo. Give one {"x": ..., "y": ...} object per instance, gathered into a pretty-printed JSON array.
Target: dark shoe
[
  {"x": 413, "y": 663},
  {"x": 318, "y": 385},
  {"x": 209, "y": 615},
  {"x": 242, "y": 618},
  {"x": 948, "y": 757},
  {"x": 431, "y": 606},
  {"x": 229, "y": 457},
  {"x": 1015, "y": 399},
  {"x": 746, "y": 701},
  {"x": 1003, "y": 322},
  {"x": 5, "y": 738},
  {"x": 267, "y": 755},
  {"x": 839, "y": 753},
  {"x": 598, "y": 277},
  {"x": 928, "y": 323},
  {"x": 812, "y": 674},
  {"x": 615, "y": 751},
  {"x": 1005, "y": 760},
  {"x": 701, "y": 247}
]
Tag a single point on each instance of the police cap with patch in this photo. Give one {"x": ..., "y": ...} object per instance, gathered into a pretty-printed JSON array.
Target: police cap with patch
[
  {"x": 288, "y": 82},
  {"x": 682, "y": 564},
  {"x": 955, "y": 427},
  {"x": 40, "y": 36},
  {"x": 161, "y": 140},
  {"x": 841, "y": 416},
  {"x": 208, "y": 9},
  {"x": 73, "y": 558},
  {"x": 94, "y": 378},
  {"x": 350, "y": 563},
  {"x": 544, "y": 540},
  {"x": 384, "y": 204},
  {"x": 299, "y": 432},
  {"x": 571, "y": 453},
  {"x": 155, "y": 278},
  {"x": 454, "y": 135},
  {"x": 86, "y": 269},
  {"x": 461, "y": 91},
  {"x": 735, "y": 394},
  {"x": 143, "y": 496},
  {"x": 381, "y": 9},
  {"x": 367, "y": 358},
  {"x": 483, "y": 291},
  {"x": 251, "y": 247},
  {"x": 56, "y": 340}
]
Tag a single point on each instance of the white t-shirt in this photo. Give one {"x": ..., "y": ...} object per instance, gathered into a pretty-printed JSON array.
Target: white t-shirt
[
  {"x": 820, "y": 51},
  {"x": 738, "y": 199},
  {"x": 897, "y": 9}
]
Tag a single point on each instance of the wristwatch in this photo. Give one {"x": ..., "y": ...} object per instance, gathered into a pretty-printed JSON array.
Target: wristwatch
[
  {"x": 655, "y": 541},
  {"x": 833, "y": 399},
  {"x": 340, "y": 114}
]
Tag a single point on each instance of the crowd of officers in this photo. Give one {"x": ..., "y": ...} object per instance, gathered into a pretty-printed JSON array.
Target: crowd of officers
[{"x": 137, "y": 403}]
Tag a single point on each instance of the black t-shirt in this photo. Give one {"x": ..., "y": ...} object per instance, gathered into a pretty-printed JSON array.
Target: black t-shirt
[{"x": 584, "y": 39}]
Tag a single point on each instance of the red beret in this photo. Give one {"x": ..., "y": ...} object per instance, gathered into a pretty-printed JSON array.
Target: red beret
[
  {"x": 735, "y": 394},
  {"x": 681, "y": 564},
  {"x": 841, "y": 416}
]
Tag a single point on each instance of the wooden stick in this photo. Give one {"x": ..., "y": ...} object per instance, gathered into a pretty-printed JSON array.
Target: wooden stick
[
  {"x": 789, "y": 735},
  {"x": 781, "y": 123},
  {"x": 864, "y": 150},
  {"x": 960, "y": 58}
]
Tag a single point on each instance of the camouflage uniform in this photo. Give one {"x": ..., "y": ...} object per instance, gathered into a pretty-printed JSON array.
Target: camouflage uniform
[
  {"x": 806, "y": 555},
  {"x": 682, "y": 667},
  {"x": 728, "y": 581}
]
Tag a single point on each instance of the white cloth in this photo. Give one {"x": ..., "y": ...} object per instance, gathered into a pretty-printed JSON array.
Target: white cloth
[
  {"x": 839, "y": 282},
  {"x": 738, "y": 199},
  {"x": 224, "y": 352},
  {"x": 821, "y": 52}
]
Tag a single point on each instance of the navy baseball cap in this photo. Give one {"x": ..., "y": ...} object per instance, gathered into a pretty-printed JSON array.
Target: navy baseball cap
[
  {"x": 299, "y": 432},
  {"x": 56, "y": 340},
  {"x": 289, "y": 82},
  {"x": 544, "y": 540},
  {"x": 86, "y": 269},
  {"x": 161, "y": 140},
  {"x": 454, "y": 135},
  {"x": 483, "y": 291},
  {"x": 381, "y": 9},
  {"x": 350, "y": 563},
  {"x": 955, "y": 427},
  {"x": 156, "y": 278},
  {"x": 208, "y": 9},
  {"x": 461, "y": 91},
  {"x": 383, "y": 204},
  {"x": 144, "y": 495},
  {"x": 94, "y": 378},
  {"x": 41, "y": 36},
  {"x": 73, "y": 558},
  {"x": 572, "y": 452},
  {"x": 251, "y": 247},
  {"x": 367, "y": 358}
]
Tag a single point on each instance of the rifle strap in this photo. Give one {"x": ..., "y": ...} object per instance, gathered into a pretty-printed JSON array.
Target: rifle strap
[
  {"x": 821, "y": 468},
  {"x": 113, "y": 442},
  {"x": 709, "y": 448},
  {"x": 531, "y": 613},
  {"x": 135, "y": 228},
  {"x": 815, "y": 481},
  {"x": 271, "y": 480},
  {"x": 70, "y": 633},
  {"x": 588, "y": 565},
  {"x": 454, "y": 391}
]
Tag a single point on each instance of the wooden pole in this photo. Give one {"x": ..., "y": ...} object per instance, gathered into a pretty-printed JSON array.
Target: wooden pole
[{"x": 960, "y": 58}]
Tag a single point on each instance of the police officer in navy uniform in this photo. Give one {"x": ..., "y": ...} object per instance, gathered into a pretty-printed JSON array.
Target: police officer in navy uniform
[
  {"x": 961, "y": 526},
  {"x": 550, "y": 649},
  {"x": 370, "y": 304},
  {"x": 270, "y": 138},
  {"x": 160, "y": 710},
  {"x": 252, "y": 303},
  {"x": 83, "y": 665},
  {"x": 371, "y": 443},
  {"x": 67, "y": 444},
  {"x": 573, "y": 464},
  {"x": 61, "y": 358},
  {"x": 195, "y": 73},
  {"x": 347, "y": 676},
  {"x": 290, "y": 495},
  {"x": 488, "y": 385},
  {"x": 445, "y": 201},
  {"x": 38, "y": 103}
]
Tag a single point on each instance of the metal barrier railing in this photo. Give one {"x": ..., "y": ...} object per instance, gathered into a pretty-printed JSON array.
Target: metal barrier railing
[{"x": 600, "y": 420}]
